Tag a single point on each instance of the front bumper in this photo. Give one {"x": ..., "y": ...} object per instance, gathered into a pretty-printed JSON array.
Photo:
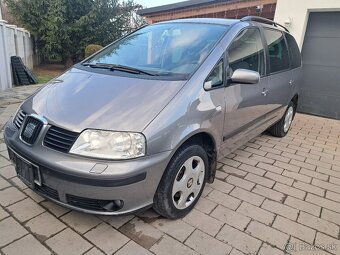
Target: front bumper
[{"x": 69, "y": 180}]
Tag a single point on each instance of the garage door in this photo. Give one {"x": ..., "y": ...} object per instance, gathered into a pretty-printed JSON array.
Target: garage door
[{"x": 320, "y": 93}]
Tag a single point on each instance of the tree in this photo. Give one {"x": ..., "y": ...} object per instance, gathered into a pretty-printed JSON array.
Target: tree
[{"x": 63, "y": 28}]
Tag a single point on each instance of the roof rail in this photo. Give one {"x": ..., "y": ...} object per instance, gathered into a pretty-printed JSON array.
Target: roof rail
[{"x": 263, "y": 20}]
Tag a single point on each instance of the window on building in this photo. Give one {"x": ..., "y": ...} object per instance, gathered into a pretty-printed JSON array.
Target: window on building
[
  {"x": 246, "y": 52},
  {"x": 278, "y": 52},
  {"x": 295, "y": 55}
]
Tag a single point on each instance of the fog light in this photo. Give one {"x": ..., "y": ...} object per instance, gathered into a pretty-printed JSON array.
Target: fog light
[{"x": 112, "y": 206}]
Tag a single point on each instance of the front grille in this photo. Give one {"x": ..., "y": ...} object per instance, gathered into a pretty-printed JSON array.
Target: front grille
[
  {"x": 60, "y": 139},
  {"x": 47, "y": 191},
  {"x": 31, "y": 130},
  {"x": 94, "y": 204},
  {"x": 19, "y": 118}
]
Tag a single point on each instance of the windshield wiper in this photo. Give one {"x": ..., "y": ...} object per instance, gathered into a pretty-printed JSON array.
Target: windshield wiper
[{"x": 119, "y": 68}]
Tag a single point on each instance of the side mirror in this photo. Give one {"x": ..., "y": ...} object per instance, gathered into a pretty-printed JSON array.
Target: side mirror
[
  {"x": 211, "y": 84},
  {"x": 244, "y": 76}
]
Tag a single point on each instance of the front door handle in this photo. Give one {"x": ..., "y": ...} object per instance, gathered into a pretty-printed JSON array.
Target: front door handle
[
  {"x": 264, "y": 92},
  {"x": 291, "y": 82}
]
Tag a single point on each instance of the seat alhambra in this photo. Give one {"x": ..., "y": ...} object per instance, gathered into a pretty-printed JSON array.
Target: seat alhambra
[{"x": 143, "y": 122}]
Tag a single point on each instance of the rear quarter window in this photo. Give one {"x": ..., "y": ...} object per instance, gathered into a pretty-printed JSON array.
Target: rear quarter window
[
  {"x": 295, "y": 54},
  {"x": 278, "y": 51}
]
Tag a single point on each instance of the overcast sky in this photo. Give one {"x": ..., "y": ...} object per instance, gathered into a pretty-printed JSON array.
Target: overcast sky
[{"x": 152, "y": 3}]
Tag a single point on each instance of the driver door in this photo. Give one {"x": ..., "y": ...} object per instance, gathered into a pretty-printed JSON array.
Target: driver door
[{"x": 246, "y": 104}]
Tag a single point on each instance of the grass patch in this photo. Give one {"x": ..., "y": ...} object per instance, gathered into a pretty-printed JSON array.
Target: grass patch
[{"x": 44, "y": 78}]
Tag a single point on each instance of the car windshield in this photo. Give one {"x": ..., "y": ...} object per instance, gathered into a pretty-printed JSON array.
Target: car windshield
[{"x": 163, "y": 49}]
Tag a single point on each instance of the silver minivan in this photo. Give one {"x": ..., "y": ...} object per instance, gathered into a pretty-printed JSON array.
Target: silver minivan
[{"x": 143, "y": 122}]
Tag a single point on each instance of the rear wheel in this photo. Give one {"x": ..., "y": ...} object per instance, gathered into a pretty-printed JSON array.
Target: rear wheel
[
  {"x": 281, "y": 128},
  {"x": 182, "y": 183}
]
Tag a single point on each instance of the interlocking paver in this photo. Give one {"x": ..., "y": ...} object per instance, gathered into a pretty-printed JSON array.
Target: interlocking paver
[
  {"x": 256, "y": 213},
  {"x": 303, "y": 206},
  {"x": 27, "y": 244},
  {"x": 280, "y": 209},
  {"x": 230, "y": 217},
  {"x": 269, "y": 193},
  {"x": 309, "y": 188},
  {"x": 239, "y": 182},
  {"x": 290, "y": 190},
  {"x": 3, "y": 214},
  {"x": 107, "y": 238},
  {"x": 142, "y": 233},
  {"x": 239, "y": 240},
  {"x": 295, "y": 229},
  {"x": 167, "y": 244},
  {"x": 298, "y": 247},
  {"x": 332, "y": 244},
  {"x": 94, "y": 251},
  {"x": 10, "y": 196},
  {"x": 132, "y": 248},
  {"x": 222, "y": 186},
  {"x": 207, "y": 245},
  {"x": 117, "y": 221},
  {"x": 267, "y": 234},
  {"x": 319, "y": 224},
  {"x": 314, "y": 174},
  {"x": 223, "y": 199},
  {"x": 45, "y": 225},
  {"x": 179, "y": 230},
  {"x": 260, "y": 180},
  {"x": 4, "y": 183},
  {"x": 247, "y": 196},
  {"x": 205, "y": 205},
  {"x": 68, "y": 242},
  {"x": 8, "y": 171},
  {"x": 10, "y": 231},
  {"x": 266, "y": 191},
  {"x": 203, "y": 222},
  {"x": 80, "y": 222},
  {"x": 25, "y": 209},
  {"x": 55, "y": 209}
]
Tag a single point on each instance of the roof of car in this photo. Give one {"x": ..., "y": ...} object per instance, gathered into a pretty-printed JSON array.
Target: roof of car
[{"x": 226, "y": 22}]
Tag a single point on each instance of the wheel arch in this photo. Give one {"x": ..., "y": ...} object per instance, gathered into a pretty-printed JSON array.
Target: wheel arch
[{"x": 208, "y": 142}]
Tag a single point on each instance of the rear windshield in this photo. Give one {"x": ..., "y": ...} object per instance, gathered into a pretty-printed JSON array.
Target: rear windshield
[{"x": 164, "y": 49}]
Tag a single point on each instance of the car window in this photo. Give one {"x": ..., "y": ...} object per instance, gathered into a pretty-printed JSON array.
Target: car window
[
  {"x": 295, "y": 54},
  {"x": 278, "y": 52},
  {"x": 215, "y": 78},
  {"x": 246, "y": 52},
  {"x": 165, "y": 49}
]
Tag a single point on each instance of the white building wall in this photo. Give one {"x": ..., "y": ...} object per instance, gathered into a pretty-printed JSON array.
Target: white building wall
[
  {"x": 297, "y": 12},
  {"x": 13, "y": 42}
]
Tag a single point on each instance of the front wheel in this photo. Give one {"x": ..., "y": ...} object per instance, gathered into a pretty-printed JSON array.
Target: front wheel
[
  {"x": 281, "y": 128},
  {"x": 182, "y": 183}
]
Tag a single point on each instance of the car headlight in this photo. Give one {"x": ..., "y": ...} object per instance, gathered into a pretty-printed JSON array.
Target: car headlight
[{"x": 109, "y": 144}]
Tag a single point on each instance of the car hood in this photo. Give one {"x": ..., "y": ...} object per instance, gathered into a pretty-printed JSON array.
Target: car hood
[{"x": 78, "y": 100}]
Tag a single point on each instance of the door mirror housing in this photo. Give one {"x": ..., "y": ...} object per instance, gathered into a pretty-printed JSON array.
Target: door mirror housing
[{"x": 244, "y": 76}]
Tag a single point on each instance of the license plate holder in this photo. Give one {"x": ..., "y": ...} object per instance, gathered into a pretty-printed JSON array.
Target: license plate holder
[{"x": 27, "y": 172}]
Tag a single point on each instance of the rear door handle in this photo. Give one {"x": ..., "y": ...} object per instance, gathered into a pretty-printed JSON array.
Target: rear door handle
[
  {"x": 291, "y": 82},
  {"x": 264, "y": 92}
]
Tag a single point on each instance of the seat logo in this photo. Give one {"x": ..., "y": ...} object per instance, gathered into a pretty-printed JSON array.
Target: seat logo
[{"x": 29, "y": 130}]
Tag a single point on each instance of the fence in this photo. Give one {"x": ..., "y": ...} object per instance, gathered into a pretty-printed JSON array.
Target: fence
[{"x": 14, "y": 41}]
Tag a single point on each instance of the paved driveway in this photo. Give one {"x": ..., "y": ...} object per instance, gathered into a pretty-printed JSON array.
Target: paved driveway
[{"x": 270, "y": 195}]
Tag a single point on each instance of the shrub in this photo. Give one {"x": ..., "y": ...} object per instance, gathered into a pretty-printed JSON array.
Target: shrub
[{"x": 91, "y": 49}]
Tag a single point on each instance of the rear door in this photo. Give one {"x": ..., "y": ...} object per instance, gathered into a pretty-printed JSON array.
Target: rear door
[
  {"x": 280, "y": 74},
  {"x": 246, "y": 104}
]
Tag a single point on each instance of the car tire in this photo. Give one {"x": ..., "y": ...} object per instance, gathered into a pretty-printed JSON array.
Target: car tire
[
  {"x": 182, "y": 183},
  {"x": 281, "y": 128}
]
